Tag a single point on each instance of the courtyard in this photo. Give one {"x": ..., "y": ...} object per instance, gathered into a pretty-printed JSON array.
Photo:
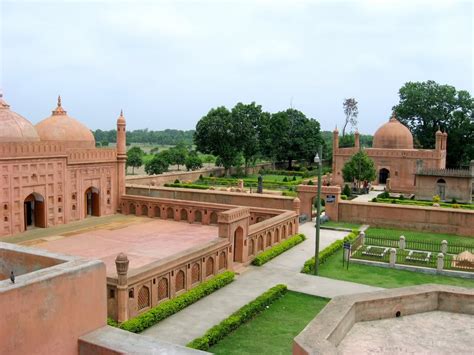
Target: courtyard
[{"x": 144, "y": 240}]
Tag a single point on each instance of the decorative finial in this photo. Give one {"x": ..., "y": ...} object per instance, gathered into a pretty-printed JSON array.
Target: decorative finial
[
  {"x": 59, "y": 100},
  {"x": 121, "y": 112},
  {"x": 59, "y": 110}
]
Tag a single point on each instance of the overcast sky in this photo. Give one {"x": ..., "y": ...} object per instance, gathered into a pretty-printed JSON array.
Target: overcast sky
[{"x": 166, "y": 63}]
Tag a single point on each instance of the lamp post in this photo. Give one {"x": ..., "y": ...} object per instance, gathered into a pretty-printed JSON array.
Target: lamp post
[{"x": 318, "y": 160}]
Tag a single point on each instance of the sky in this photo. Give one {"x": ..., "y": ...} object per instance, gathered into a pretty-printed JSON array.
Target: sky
[{"x": 167, "y": 63}]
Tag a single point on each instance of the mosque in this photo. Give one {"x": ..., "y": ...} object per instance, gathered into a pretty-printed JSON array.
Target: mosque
[
  {"x": 396, "y": 160},
  {"x": 52, "y": 173}
]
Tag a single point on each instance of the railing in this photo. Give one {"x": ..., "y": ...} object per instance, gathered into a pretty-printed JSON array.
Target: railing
[{"x": 445, "y": 172}]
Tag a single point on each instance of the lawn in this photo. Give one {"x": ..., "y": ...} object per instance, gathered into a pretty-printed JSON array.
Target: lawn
[
  {"x": 426, "y": 236},
  {"x": 272, "y": 331},
  {"x": 346, "y": 225},
  {"x": 383, "y": 277}
]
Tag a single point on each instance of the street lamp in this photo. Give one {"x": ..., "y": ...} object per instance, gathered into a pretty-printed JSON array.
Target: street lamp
[{"x": 318, "y": 160}]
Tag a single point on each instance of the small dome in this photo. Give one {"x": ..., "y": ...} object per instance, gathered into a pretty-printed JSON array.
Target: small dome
[
  {"x": 61, "y": 127},
  {"x": 393, "y": 135},
  {"x": 121, "y": 119},
  {"x": 13, "y": 127}
]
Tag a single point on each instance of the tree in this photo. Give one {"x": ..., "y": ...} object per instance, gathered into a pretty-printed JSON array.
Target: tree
[
  {"x": 351, "y": 111},
  {"x": 291, "y": 135},
  {"x": 157, "y": 165},
  {"x": 359, "y": 168},
  {"x": 425, "y": 107},
  {"x": 215, "y": 135},
  {"x": 245, "y": 119},
  {"x": 135, "y": 158},
  {"x": 193, "y": 161},
  {"x": 178, "y": 154}
]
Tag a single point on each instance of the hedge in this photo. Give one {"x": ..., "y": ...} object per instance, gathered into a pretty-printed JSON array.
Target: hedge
[
  {"x": 236, "y": 319},
  {"x": 269, "y": 254},
  {"x": 331, "y": 249},
  {"x": 174, "y": 305},
  {"x": 188, "y": 186},
  {"x": 422, "y": 203}
]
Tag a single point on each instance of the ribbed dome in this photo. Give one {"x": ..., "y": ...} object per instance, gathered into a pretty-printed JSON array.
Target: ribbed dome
[
  {"x": 61, "y": 127},
  {"x": 13, "y": 127},
  {"x": 393, "y": 135}
]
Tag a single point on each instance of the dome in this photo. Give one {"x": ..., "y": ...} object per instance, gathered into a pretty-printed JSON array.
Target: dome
[
  {"x": 393, "y": 135},
  {"x": 13, "y": 127},
  {"x": 61, "y": 127}
]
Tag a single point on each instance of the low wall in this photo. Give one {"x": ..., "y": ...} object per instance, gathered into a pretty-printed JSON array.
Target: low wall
[
  {"x": 171, "y": 176},
  {"x": 213, "y": 196},
  {"x": 433, "y": 219}
]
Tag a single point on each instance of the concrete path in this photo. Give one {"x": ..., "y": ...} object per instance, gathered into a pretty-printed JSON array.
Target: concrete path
[
  {"x": 367, "y": 197},
  {"x": 196, "y": 319}
]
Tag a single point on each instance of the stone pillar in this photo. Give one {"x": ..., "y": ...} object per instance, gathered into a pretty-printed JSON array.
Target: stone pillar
[
  {"x": 444, "y": 246},
  {"x": 260, "y": 184},
  {"x": 121, "y": 264},
  {"x": 362, "y": 238},
  {"x": 440, "y": 262},
  {"x": 296, "y": 205},
  {"x": 402, "y": 243},
  {"x": 121, "y": 158},
  {"x": 356, "y": 139},
  {"x": 393, "y": 257}
]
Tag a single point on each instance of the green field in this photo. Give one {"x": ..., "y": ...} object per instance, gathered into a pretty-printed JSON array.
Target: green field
[
  {"x": 346, "y": 225},
  {"x": 426, "y": 236},
  {"x": 272, "y": 331}
]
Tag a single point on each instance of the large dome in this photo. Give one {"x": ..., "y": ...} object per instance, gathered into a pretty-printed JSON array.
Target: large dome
[
  {"x": 393, "y": 135},
  {"x": 61, "y": 127},
  {"x": 13, "y": 127}
]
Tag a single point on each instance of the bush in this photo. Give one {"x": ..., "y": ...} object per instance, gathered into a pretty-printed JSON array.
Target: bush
[
  {"x": 236, "y": 319},
  {"x": 112, "y": 322},
  {"x": 453, "y": 201},
  {"x": 384, "y": 194},
  {"x": 346, "y": 190},
  {"x": 374, "y": 199},
  {"x": 401, "y": 197},
  {"x": 174, "y": 305},
  {"x": 343, "y": 197},
  {"x": 176, "y": 181},
  {"x": 294, "y": 178},
  {"x": 436, "y": 199},
  {"x": 188, "y": 186},
  {"x": 331, "y": 249},
  {"x": 269, "y": 254},
  {"x": 285, "y": 179},
  {"x": 455, "y": 205},
  {"x": 310, "y": 182},
  {"x": 393, "y": 201},
  {"x": 289, "y": 193}
]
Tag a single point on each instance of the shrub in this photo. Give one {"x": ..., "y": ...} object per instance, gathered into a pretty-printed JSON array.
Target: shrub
[
  {"x": 346, "y": 190},
  {"x": 236, "y": 319},
  {"x": 294, "y": 178},
  {"x": 176, "y": 181},
  {"x": 211, "y": 175},
  {"x": 200, "y": 177},
  {"x": 285, "y": 179},
  {"x": 453, "y": 201},
  {"x": 401, "y": 197},
  {"x": 436, "y": 198},
  {"x": 188, "y": 186},
  {"x": 289, "y": 193},
  {"x": 374, "y": 199},
  {"x": 343, "y": 197},
  {"x": 310, "y": 182},
  {"x": 455, "y": 205},
  {"x": 174, "y": 305},
  {"x": 384, "y": 194},
  {"x": 393, "y": 201},
  {"x": 112, "y": 322},
  {"x": 331, "y": 249},
  {"x": 269, "y": 254},
  {"x": 412, "y": 197}
]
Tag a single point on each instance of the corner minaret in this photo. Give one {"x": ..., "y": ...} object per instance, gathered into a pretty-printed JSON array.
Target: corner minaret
[
  {"x": 121, "y": 157},
  {"x": 357, "y": 139},
  {"x": 439, "y": 140},
  {"x": 335, "y": 147}
]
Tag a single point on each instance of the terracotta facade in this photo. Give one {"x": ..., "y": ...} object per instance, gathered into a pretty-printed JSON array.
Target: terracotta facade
[
  {"x": 395, "y": 159},
  {"x": 53, "y": 174}
]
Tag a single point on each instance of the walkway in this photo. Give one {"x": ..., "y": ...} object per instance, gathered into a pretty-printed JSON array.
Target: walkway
[{"x": 194, "y": 320}]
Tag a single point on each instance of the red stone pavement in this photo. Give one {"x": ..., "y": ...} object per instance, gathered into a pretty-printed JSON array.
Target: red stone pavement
[{"x": 152, "y": 240}]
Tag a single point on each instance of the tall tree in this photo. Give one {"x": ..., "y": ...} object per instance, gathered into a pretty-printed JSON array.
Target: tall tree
[
  {"x": 215, "y": 135},
  {"x": 178, "y": 154},
  {"x": 156, "y": 165},
  {"x": 359, "y": 168},
  {"x": 351, "y": 111},
  {"x": 426, "y": 106},
  {"x": 246, "y": 118},
  {"x": 135, "y": 158}
]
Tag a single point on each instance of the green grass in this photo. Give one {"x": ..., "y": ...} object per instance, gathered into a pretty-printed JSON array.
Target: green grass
[
  {"x": 346, "y": 225},
  {"x": 383, "y": 277},
  {"x": 426, "y": 236},
  {"x": 272, "y": 331}
]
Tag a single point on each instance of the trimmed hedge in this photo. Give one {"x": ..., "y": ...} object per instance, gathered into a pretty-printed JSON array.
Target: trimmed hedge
[
  {"x": 236, "y": 319},
  {"x": 174, "y": 305},
  {"x": 188, "y": 186},
  {"x": 422, "y": 203},
  {"x": 331, "y": 249},
  {"x": 269, "y": 254}
]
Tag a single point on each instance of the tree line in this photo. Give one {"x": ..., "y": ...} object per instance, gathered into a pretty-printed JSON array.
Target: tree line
[
  {"x": 247, "y": 133},
  {"x": 145, "y": 136}
]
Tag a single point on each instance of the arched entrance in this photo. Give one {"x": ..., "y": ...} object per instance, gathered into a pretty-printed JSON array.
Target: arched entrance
[
  {"x": 92, "y": 202},
  {"x": 238, "y": 244},
  {"x": 384, "y": 174},
  {"x": 441, "y": 189},
  {"x": 34, "y": 211}
]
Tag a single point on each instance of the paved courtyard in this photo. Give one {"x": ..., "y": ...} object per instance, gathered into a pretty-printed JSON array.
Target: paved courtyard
[
  {"x": 144, "y": 242},
  {"x": 285, "y": 269}
]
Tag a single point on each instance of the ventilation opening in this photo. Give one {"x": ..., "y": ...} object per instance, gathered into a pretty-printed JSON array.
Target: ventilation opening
[{"x": 398, "y": 314}]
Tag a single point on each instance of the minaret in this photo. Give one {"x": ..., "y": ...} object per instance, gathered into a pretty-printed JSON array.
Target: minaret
[
  {"x": 356, "y": 139},
  {"x": 335, "y": 147},
  {"x": 439, "y": 140},
  {"x": 445, "y": 141},
  {"x": 121, "y": 157}
]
